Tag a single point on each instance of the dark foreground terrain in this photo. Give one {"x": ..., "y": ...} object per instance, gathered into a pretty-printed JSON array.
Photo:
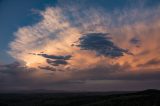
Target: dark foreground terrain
[{"x": 143, "y": 98}]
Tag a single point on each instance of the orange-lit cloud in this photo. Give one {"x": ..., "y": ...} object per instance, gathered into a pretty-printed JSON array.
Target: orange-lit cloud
[{"x": 59, "y": 29}]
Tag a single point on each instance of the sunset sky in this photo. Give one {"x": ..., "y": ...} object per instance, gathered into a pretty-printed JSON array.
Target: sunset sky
[{"x": 82, "y": 45}]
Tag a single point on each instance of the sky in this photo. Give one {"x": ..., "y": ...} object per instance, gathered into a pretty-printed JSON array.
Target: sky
[{"x": 82, "y": 45}]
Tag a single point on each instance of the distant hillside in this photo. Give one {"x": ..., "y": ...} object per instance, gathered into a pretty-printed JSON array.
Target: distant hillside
[
  {"x": 149, "y": 91},
  {"x": 149, "y": 97}
]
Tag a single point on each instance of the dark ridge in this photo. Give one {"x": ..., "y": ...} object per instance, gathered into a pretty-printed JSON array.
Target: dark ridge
[
  {"x": 149, "y": 91},
  {"x": 150, "y": 97}
]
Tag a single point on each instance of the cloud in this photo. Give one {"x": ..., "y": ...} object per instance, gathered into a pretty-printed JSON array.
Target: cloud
[
  {"x": 101, "y": 44},
  {"x": 56, "y": 62},
  {"x": 13, "y": 75},
  {"x": 99, "y": 77},
  {"x": 62, "y": 25},
  {"x": 47, "y": 68},
  {"x": 136, "y": 41},
  {"x": 67, "y": 57},
  {"x": 101, "y": 36},
  {"x": 24, "y": 78},
  {"x": 152, "y": 62}
]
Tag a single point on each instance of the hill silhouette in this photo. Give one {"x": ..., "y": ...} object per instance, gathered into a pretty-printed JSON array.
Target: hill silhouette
[{"x": 150, "y": 97}]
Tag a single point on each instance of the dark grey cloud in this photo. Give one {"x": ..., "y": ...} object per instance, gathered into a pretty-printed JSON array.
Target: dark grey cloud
[
  {"x": 153, "y": 61},
  {"x": 13, "y": 76},
  {"x": 54, "y": 60},
  {"x": 67, "y": 57},
  {"x": 24, "y": 78},
  {"x": 12, "y": 65},
  {"x": 136, "y": 41},
  {"x": 116, "y": 72},
  {"x": 47, "y": 68},
  {"x": 57, "y": 62},
  {"x": 102, "y": 44}
]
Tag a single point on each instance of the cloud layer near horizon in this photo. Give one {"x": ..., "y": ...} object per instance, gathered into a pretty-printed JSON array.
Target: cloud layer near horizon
[{"x": 101, "y": 78}]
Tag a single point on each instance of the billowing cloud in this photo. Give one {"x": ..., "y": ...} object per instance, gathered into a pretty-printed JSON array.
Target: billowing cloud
[{"x": 99, "y": 36}]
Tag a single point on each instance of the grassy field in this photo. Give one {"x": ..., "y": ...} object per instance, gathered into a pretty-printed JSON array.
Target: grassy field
[{"x": 143, "y": 98}]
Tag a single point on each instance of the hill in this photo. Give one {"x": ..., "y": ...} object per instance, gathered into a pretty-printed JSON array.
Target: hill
[{"x": 149, "y": 97}]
